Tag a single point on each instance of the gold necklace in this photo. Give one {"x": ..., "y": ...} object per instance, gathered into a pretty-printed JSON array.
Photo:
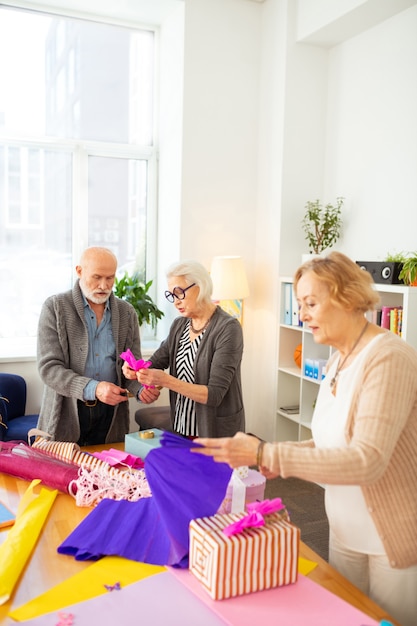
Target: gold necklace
[{"x": 333, "y": 381}]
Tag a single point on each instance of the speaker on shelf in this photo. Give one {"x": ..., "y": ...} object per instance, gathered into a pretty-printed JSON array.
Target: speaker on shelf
[{"x": 382, "y": 271}]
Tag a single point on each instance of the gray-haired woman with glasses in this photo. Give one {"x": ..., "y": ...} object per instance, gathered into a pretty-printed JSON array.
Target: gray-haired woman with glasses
[{"x": 202, "y": 355}]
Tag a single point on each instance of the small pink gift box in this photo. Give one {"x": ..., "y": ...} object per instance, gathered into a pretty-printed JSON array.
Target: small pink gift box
[
  {"x": 253, "y": 559},
  {"x": 242, "y": 489}
]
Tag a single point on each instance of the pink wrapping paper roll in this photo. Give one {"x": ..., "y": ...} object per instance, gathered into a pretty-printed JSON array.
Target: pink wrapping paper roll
[{"x": 19, "y": 459}]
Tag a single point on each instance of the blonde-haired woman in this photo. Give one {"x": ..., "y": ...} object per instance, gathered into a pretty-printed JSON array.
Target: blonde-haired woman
[{"x": 364, "y": 437}]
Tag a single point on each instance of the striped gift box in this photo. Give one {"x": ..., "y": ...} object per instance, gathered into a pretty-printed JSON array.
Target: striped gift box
[
  {"x": 69, "y": 451},
  {"x": 252, "y": 560}
]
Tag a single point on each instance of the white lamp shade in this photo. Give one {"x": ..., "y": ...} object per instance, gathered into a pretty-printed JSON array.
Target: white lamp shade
[{"x": 229, "y": 278}]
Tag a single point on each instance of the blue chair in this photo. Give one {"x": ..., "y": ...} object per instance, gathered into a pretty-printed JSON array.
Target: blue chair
[{"x": 14, "y": 424}]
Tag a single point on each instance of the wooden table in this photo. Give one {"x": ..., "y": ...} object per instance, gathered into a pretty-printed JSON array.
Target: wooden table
[{"x": 47, "y": 568}]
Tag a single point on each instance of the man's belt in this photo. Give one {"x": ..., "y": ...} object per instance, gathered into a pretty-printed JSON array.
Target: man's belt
[{"x": 90, "y": 403}]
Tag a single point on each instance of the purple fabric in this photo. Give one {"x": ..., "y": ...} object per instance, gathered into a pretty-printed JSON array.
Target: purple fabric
[{"x": 155, "y": 530}]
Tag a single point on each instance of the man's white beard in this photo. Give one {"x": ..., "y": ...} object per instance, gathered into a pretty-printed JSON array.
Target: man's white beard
[{"x": 93, "y": 298}]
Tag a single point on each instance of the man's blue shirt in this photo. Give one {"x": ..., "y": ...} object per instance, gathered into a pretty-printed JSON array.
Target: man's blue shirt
[{"x": 101, "y": 356}]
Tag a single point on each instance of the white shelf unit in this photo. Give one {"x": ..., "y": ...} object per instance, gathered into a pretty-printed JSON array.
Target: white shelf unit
[{"x": 293, "y": 387}]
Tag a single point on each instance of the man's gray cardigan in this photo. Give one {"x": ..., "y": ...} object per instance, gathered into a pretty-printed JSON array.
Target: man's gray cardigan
[
  {"x": 62, "y": 355},
  {"x": 217, "y": 365}
]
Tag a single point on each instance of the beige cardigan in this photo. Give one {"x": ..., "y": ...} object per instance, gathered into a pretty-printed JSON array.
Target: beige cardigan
[{"x": 382, "y": 454}]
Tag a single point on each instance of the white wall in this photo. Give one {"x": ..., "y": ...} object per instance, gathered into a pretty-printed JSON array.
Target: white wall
[
  {"x": 221, "y": 105},
  {"x": 220, "y": 137},
  {"x": 171, "y": 66},
  {"x": 259, "y": 382},
  {"x": 371, "y": 153}
]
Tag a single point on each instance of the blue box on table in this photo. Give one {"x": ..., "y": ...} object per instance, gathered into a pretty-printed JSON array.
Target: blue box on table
[{"x": 142, "y": 442}]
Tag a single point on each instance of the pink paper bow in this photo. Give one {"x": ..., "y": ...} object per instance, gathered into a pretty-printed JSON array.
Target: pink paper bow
[
  {"x": 65, "y": 619},
  {"x": 252, "y": 520},
  {"x": 255, "y": 516},
  {"x": 135, "y": 364},
  {"x": 116, "y": 457}
]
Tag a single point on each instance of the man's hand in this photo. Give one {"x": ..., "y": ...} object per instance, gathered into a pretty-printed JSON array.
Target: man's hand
[
  {"x": 110, "y": 393},
  {"x": 147, "y": 396}
]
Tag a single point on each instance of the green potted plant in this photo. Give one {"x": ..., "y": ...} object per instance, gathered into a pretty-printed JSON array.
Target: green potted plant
[
  {"x": 134, "y": 291},
  {"x": 322, "y": 224},
  {"x": 408, "y": 272},
  {"x": 395, "y": 257}
]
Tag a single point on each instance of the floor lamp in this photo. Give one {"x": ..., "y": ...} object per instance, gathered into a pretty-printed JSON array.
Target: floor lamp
[{"x": 230, "y": 285}]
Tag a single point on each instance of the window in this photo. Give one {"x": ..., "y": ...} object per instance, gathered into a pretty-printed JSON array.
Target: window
[{"x": 77, "y": 158}]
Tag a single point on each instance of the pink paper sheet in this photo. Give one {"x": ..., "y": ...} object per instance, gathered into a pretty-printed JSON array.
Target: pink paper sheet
[
  {"x": 86, "y": 584},
  {"x": 159, "y": 600},
  {"x": 135, "y": 364},
  {"x": 303, "y": 603},
  {"x": 118, "y": 457}
]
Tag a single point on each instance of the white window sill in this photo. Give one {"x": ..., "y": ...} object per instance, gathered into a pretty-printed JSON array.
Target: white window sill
[{"x": 14, "y": 350}]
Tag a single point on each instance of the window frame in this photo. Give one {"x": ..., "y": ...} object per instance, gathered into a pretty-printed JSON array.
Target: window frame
[
  {"x": 81, "y": 151},
  {"x": 25, "y": 348}
]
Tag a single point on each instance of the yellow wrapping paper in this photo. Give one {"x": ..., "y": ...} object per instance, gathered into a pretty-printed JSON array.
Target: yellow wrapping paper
[
  {"x": 305, "y": 566},
  {"x": 22, "y": 537},
  {"x": 87, "y": 584}
]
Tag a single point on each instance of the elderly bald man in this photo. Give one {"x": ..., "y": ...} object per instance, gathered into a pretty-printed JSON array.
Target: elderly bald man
[{"x": 81, "y": 334}]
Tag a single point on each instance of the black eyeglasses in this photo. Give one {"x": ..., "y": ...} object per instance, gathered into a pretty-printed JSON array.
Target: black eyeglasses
[{"x": 178, "y": 293}]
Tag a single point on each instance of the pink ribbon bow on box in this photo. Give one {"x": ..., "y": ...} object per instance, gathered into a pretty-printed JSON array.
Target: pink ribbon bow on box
[
  {"x": 255, "y": 516},
  {"x": 136, "y": 364}
]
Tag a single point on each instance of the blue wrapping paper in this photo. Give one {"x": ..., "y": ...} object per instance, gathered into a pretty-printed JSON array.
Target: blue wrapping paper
[{"x": 155, "y": 530}]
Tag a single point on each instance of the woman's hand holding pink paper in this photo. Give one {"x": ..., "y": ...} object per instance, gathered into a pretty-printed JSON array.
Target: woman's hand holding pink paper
[
  {"x": 132, "y": 365},
  {"x": 131, "y": 370}
]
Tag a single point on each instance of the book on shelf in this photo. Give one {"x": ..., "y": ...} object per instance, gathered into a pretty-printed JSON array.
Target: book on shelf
[
  {"x": 295, "y": 312},
  {"x": 292, "y": 409},
  {"x": 315, "y": 368},
  {"x": 319, "y": 368},
  {"x": 375, "y": 316},
  {"x": 288, "y": 303},
  {"x": 396, "y": 318},
  {"x": 308, "y": 367},
  {"x": 391, "y": 318},
  {"x": 386, "y": 316}
]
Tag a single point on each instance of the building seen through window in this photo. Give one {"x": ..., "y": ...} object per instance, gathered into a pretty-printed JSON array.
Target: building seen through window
[{"x": 76, "y": 154}]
